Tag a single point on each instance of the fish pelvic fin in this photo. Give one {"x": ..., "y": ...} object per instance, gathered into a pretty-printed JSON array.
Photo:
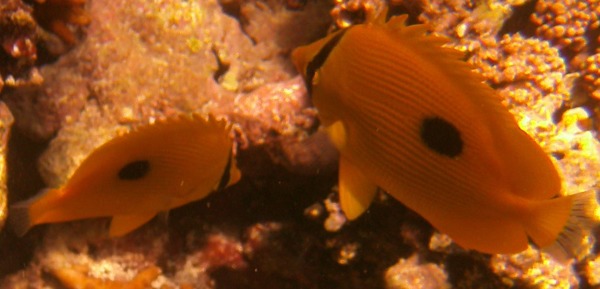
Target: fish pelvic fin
[
  {"x": 561, "y": 225},
  {"x": 356, "y": 191},
  {"x": 123, "y": 224}
]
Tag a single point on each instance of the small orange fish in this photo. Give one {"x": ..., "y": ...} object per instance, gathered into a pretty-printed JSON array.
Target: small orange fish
[
  {"x": 133, "y": 177},
  {"x": 411, "y": 117}
]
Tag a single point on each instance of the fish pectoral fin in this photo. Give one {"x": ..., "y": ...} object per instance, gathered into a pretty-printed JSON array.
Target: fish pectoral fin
[
  {"x": 355, "y": 190},
  {"x": 123, "y": 224}
]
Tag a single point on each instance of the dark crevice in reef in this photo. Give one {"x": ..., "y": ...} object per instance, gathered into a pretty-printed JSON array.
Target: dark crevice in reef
[
  {"x": 233, "y": 8},
  {"x": 23, "y": 181},
  {"x": 471, "y": 271},
  {"x": 222, "y": 67},
  {"x": 520, "y": 21},
  {"x": 300, "y": 253}
]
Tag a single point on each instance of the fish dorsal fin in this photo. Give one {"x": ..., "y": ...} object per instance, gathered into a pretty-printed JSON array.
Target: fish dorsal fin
[
  {"x": 450, "y": 62},
  {"x": 174, "y": 134},
  {"x": 379, "y": 18},
  {"x": 210, "y": 122}
]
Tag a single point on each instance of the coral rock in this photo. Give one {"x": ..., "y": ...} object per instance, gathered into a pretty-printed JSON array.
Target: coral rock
[
  {"x": 534, "y": 269},
  {"x": 18, "y": 51},
  {"x": 6, "y": 120},
  {"x": 408, "y": 273}
]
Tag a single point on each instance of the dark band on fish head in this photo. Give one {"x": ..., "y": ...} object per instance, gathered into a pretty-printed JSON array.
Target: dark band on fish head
[
  {"x": 226, "y": 177},
  {"x": 319, "y": 60},
  {"x": 134, "y": 170},
  {"x": 441, "y": 136}
]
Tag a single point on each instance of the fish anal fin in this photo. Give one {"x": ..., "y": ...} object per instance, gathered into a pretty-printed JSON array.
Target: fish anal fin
[
  {"x": 564, "y": 223},
  {"x": 123, "y": 224},
  {"x": 356, "y": 191},
  {"x": 485, "y": 233}
]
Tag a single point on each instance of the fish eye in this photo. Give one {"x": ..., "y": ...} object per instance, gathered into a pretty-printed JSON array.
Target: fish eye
[
  {"x": 441, "y": 136},
  {"x": 134, "y": 170}
]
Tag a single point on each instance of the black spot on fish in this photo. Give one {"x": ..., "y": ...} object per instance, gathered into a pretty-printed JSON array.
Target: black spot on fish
[
  {"x": 134, "y": 170},
  {"x": 441, "y": 136},
  {"x": 319, "y": 60}
]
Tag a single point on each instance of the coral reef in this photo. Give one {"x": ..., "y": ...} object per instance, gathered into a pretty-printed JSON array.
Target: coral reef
[
  {"x": 281, "y": 226},
  {"x": 18, "y": 52},
  {"x": 100, "y": 86},
  {"x": 531, "y": 268}
]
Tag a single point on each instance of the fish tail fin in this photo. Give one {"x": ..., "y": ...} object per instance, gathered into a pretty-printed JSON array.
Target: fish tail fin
[
  {"x": 19, "y": 217},
  {"x": 559, "y": 225}
]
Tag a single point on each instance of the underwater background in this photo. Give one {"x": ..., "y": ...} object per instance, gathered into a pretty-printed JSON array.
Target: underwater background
[{"x": 74, "y": 74}]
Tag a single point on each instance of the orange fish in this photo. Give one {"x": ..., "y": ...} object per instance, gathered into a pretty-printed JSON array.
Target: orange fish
[
  {"x": 133, "y": 177},
  {"x": 410, "y": 117}
]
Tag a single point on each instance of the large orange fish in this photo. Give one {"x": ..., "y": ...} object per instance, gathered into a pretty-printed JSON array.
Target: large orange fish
[
  {"x": 133, "y": 177},
  {"x": 409, "y": 116}
]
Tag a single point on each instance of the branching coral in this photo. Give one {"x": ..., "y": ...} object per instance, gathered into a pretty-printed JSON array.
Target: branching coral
[
  {"x": 566, "y": 22},
  {"x": 524, "y": 69}
]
